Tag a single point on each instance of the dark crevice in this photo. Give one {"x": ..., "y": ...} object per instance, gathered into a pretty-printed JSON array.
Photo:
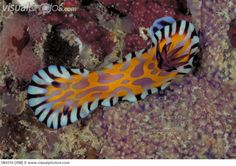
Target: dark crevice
[
  {"x": 57, "y": 50},
  {"x": 85, "y": 3},
  {"x": 182, "y": 7},
  {"x": 8, "y": 1},
  {"x": 112, "y": 10}
]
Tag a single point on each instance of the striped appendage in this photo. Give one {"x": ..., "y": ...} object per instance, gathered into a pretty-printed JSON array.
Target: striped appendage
[{"x": 60, "y": 95}]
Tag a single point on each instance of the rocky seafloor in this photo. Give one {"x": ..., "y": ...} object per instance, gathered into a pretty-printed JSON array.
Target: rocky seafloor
[{"x": 194, "y": 118}]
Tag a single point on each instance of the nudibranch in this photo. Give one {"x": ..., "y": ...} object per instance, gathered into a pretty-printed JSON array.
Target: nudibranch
[{"x": 61, "y": 95}]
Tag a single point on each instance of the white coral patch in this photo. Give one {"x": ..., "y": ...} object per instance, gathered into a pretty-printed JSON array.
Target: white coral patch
[{"x": 25, "y": 3}]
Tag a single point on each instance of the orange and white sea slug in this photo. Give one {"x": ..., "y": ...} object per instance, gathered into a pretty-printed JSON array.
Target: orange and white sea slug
[{"x": 60, "y": 95}]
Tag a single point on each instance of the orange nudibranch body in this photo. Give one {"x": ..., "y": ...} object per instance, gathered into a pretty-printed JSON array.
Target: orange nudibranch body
[{"x": 60, "y": 95}]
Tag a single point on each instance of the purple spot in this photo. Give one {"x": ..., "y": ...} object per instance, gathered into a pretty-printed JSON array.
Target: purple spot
[
  {"x": 81, "y": 84},
  {"x": 107, "y": 78},
  {"x": 120, "y": 89},
  {"x": 96, "y": 95},
  {"x": 65, "y": 96},
  {"x": 125, "y": 66},
  {"x": 144, "y": 82},
  {"x": 154, "y": 72},
  {"x": 163, "y": 73},
  {"x": 125, "y": 82},
  {"x": 88, "y": 91},
  {"x": 151, "y": 66},
  {"x": 138, "y": 70}
]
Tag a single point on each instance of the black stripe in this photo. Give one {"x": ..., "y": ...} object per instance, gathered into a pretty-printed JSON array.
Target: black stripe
[
  {"x": 33, "y": 83},
  {"x": 145, "y": 51},
  {"x": 154, "y": 29},
  {"x": 186, "y": 27},
  {"x": 133, "y": 54},
  {"x": 181, "y": 73},
  {"x": 78, "y": 112},
  {"x": 159, "y": 59},
  {"x": 178, "y": 23},
  {"x": 70, "y": 71},
  {"x": 170, "y": 69},
  {"x": 156, "y": 38},
  {"x": 68, "y": 117},
  {"x": 37, "y": 74},
  {"x": 100, "y": 102},
  {"x": 40, "y": 104},
  {"x": 82, "y": 70},
  {"x": 149, "y": 91},
  {"x": 30, "y": 96},
  {"x": 66, "y": 109},
  {"x": 187, "y": 66},
  {"x": 59, "y": 120},
  {"x": 120, "y": 98},
  {"x": 195, "y": 45},
  {"x": 138, "y": 97},
  {"x": 194, "y": 33},
  {"x": 170, "y": 31},
  {"x": 66, "y": 68},
  {"x": 165, "y": 23},
  {"x": 192, "y": 55},
  {"x": 111, "y": 101},
  {"x": 46, "y": 118},
  {"x": 116, "y": 62},
  {"x": 52, "y": 76},
  {"x": 56, "y": 84},
  {"x": 89, "y": 106},
  {"x": 37, "y": 116},
  {"x": 162, "y": 33},
  {"x": 51, "y": 125},
  {"x": 59, "y": 69}
]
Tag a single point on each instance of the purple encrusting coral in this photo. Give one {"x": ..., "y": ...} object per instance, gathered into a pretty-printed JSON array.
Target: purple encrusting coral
[
  {"x": 172, "y": 126},
  {"x": 194, "y": 119}
]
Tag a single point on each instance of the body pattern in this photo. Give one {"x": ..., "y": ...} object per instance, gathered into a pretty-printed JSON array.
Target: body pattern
[{"x": 61, "y": 95}]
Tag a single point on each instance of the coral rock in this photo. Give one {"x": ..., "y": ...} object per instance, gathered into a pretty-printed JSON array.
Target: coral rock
[
  {"x": 16, "y": 47},
  {"x": 232, "y": 33}
]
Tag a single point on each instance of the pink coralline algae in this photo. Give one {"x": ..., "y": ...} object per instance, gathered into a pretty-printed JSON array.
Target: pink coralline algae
[
  {"x": 143, "y": 13},
  {"x": 122, "y": 6},
  {"x": 86, "y": 26},
  {"x": 16, "y": 46},
  {"x": 133, "y": 41},
  {"x": 36, "y": 28}
]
